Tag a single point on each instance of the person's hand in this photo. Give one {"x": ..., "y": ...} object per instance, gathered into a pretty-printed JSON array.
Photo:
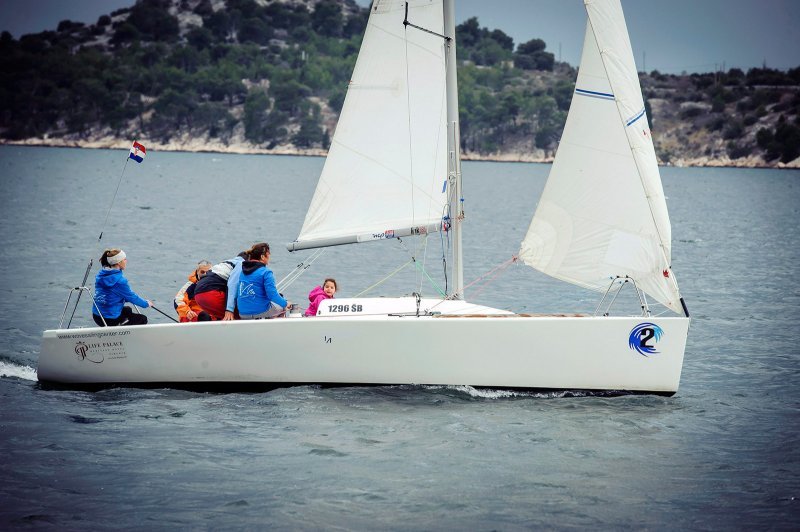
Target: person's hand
[
  {"x": 191, "y": 315},
  {"x": 149, "y": 303},
  {"x": 228, "y": 316}
]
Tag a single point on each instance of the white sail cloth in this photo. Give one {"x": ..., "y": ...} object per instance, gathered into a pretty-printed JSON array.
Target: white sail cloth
[
  {"x": 371, "y": 186},
  {"x": 603, "y": 213}
]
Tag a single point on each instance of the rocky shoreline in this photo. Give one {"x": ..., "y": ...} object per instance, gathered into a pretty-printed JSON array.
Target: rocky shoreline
[{"x": 195, "y": 145}]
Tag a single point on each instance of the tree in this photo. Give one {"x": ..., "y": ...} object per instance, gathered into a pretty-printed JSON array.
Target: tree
[
  {"x": 220, "y": 82},
  {"x": 288, "y": 95},
  {"x": 327, "y": 19},
  {"x": 256, "y": 111},
  {"x": 69, "y": 26},
  {"x": 220, "y": 24},
  {"x": 531, "y": 47},
  {"x": 787, "y": 136},
  {"x": 355, "y": 25},
  {"x": 204, "y": 8},
  {"x": 468, "y": 33},
  {"x": 173, "y": 110},
  {"x": 153, "y": 20},
  {"x": 200, "y": 38},
  {"x": 125, "y": 33},
  {"x": 255, "y": 30},
  {"x": 531, "y": 56},
  {"x": 310, "y": 132},
  {"x": 506, "y": 42}
]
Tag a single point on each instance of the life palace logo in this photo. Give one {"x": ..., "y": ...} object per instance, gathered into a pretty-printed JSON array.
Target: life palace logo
[{"x": 84, "y": 352}]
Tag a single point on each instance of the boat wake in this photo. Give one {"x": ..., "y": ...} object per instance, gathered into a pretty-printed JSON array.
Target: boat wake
[
  {"x": 492, "y": 393},
  {"x": 9, "y": 369}
]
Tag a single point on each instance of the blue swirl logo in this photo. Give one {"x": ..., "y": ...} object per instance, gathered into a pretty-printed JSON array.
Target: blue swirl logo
[{"x": 643, "y": 336}]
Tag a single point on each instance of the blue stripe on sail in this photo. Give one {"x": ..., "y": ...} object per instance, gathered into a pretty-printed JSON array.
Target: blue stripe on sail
[
  {"x": 635, "y": 118},
  {"x": 593, "y": 94}
]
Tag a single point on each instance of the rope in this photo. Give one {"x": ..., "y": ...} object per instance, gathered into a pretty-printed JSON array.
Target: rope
[
  {"x": 433, "y": 283},
  {"x": 421, "y": 268},
  {"x": 111, "y": 205},
  {"x": 299, "y": 270},
  {"x": 425, "y": 272},
  {"x": 492, "y": 274},
  {"x": 407, "y": 23},
  {"x": 99, "y": 239},
  {"x": 384, "y": 279},
  {"x": 408, "y": 113}
]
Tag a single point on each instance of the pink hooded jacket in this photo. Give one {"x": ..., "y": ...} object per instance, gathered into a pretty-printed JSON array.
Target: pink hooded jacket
[{"x": 315, "y": 296}]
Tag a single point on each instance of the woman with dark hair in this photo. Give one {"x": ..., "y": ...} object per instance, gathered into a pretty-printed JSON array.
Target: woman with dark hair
[
  {"x": 111, "y": 292},
  {"x": 258, "y": 296}
]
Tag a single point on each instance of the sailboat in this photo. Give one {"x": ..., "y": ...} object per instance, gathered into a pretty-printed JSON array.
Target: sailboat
[{"x": 393, "y": 171}]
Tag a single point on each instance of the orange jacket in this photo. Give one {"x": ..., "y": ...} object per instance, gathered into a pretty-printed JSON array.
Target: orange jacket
[{"x": 184, "y": 299}]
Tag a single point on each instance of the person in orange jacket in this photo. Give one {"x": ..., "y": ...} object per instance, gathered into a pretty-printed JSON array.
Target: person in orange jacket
[{"x": 187, "y": 308}]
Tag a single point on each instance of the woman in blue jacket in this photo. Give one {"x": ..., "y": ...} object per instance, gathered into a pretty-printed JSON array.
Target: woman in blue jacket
[
  {"x": 258, "y": 296},
  {"x": 111, "y": 292}
]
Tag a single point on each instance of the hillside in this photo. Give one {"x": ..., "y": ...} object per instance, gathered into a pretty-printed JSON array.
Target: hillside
[{"x": 269, "y": 76}]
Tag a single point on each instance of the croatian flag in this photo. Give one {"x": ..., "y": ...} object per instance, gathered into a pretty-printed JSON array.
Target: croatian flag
[{"x": 137, "y": 152}]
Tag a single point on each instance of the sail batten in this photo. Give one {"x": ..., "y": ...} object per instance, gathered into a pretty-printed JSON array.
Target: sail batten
[{"x": 603, "y": 213}]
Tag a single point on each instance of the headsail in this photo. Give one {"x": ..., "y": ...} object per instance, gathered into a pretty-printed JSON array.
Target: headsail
[
  {"x": 602, "y": 213},
  {"x": 386, "y": 169}
]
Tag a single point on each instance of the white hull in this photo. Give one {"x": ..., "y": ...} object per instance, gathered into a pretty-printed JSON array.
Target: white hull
[{"x": 503, "y": 351}]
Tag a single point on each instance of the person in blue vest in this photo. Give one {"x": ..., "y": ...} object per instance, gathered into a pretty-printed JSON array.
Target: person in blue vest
[
  {"x": 257, "y": 296},
  {"x": 112, "y": 291}
]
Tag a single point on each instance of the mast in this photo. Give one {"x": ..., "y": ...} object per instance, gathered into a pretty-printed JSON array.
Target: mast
[{"x": 453, "y": 148}]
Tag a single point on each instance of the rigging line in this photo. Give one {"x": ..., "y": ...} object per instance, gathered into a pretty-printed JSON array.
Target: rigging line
[
  {"x": 498, "y": 271},
  {"x": 636, "y": 163},
  {"x": 443, "y": 109},
  {"x": 413, "y": 255},
  {"x": 407, "y": 23},
  {"x": 442, "y": 237},
  {"x": 443, "y": 121},
  {"x": 99, "y": 239},
  {"x": 502, "y": 266},
  {"x": 424, "y": 246},
  {"x": 299, "y": 270},
  {"x": 421, "y": 270},
  {"x": 384, "y": 279},
  {"x": 111, "y": 205},
  {"x": 408, "y": 113},
  {"x": 433, "y": 283}
]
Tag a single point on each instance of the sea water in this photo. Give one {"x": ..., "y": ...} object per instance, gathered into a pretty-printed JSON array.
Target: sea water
[{"x": 723, "y": 453}]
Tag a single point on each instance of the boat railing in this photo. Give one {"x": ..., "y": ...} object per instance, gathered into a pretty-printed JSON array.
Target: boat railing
[
  {"x": 79, "y": 290},
  {"x": 622, "y": 281}
]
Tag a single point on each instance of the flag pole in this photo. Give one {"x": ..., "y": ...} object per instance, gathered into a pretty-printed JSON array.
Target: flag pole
[{"x": 99, "y": 239}]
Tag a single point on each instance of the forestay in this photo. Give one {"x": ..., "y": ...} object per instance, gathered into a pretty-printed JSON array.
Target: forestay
[
  {"x": 602, "y": 213},
  {"x": 371, "y": 186}
]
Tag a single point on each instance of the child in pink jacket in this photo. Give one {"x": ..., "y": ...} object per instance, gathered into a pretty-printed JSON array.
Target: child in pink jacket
[{"x": 320, "y": 293}]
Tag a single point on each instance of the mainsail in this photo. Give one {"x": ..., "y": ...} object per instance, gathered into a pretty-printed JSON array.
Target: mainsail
[
  {"x": 385, "y": 173},
  {"x": 602, "y": 213}
]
